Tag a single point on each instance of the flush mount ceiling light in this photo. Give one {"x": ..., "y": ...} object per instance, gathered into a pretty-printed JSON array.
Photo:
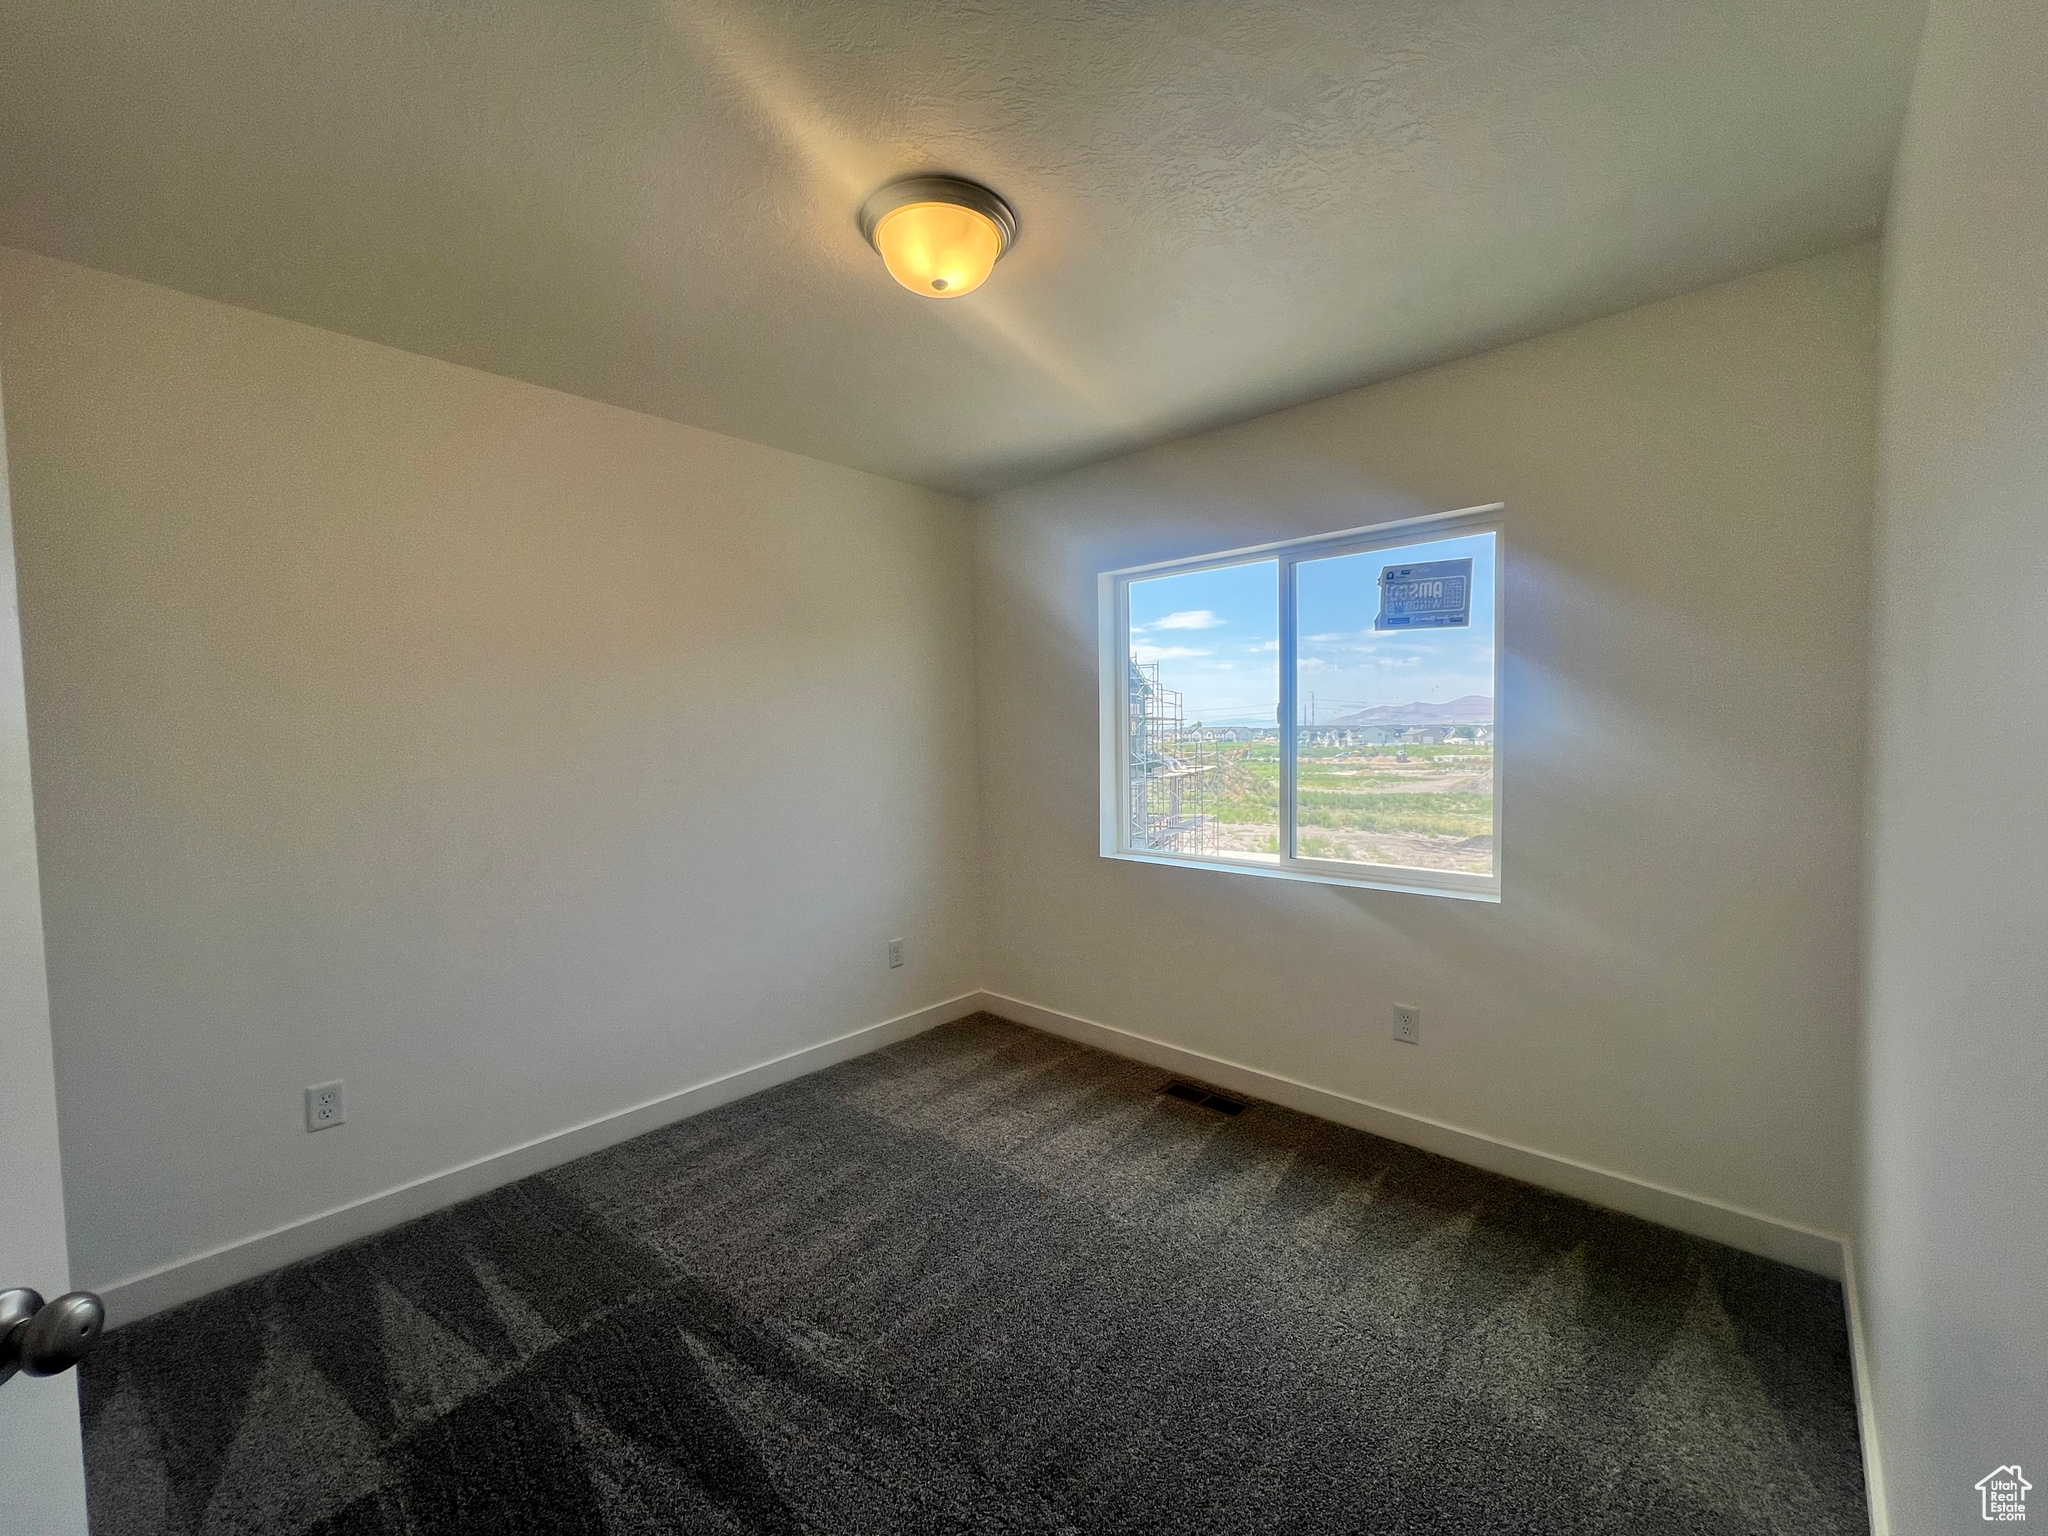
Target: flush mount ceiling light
[{"x": 938, "y": 236}]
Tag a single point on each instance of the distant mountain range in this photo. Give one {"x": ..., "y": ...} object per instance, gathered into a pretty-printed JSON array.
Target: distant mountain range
[{"x": 1472, "y": 709}]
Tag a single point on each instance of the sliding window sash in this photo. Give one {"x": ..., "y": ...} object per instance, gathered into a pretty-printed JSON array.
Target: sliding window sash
[{"x": 1115, "y": 638}]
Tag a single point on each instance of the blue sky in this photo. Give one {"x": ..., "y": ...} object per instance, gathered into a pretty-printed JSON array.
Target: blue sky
[{"x": 1216, "y": 636}]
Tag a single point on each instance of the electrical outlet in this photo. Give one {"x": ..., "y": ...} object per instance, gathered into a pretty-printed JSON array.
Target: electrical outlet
[
  {"x": 895, "y": 954},
  {"x": 324, "y": 1108},
  {"x": 1407, "y": 1024}
]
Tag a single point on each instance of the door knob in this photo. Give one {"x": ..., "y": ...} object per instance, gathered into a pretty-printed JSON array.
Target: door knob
[{"x": 45, "y": 1338}]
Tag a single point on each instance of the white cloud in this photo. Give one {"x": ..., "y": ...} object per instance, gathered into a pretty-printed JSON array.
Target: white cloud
[
  {"x": 1191, "y": 618},
  {"x": 1324, "y": 639},
  {"x": 1310, "y": 663},
  {"x": 1143, "y": 652},
  {"x": 1268, "y": 645}
]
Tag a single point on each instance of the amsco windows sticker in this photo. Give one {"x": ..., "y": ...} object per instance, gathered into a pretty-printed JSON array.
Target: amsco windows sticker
[{"x": 1437, "y": 594}]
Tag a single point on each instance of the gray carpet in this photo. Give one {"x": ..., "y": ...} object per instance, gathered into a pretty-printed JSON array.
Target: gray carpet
[{"x": 990, "y": 1281}]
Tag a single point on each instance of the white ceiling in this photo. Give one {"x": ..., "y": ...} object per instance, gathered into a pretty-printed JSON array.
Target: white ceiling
[{"x": 1226, "y": 206}]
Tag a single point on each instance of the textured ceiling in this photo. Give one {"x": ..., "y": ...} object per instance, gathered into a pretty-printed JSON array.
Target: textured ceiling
[{"x": 1225, "y": 206}]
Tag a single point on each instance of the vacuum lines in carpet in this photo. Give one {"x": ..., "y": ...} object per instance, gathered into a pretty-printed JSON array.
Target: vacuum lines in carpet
[{"x": 988, "y": 1280}]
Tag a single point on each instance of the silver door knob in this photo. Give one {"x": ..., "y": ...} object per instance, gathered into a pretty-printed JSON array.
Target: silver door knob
[{"x": 42, "y": 1338}]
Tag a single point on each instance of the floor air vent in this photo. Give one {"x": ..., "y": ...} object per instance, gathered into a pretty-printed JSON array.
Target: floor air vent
[{"x": 1192, "y": 1094}]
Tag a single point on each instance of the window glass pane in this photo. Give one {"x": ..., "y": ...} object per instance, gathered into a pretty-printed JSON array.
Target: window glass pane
[
  {"x": 1395, "y": 729},
  {"x": 1202, "y": 681}
]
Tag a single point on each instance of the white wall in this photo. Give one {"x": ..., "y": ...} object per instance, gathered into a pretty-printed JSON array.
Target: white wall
[
  {"x": 1669, "y": 989},
  {"x": 513, "y": 757},
  {"x": 42, "y": 1474},
  {"x": 1954, "y": 1246}
]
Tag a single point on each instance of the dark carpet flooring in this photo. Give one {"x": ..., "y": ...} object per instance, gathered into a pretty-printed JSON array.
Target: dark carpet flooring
[{"x": 990, "y": 1281}]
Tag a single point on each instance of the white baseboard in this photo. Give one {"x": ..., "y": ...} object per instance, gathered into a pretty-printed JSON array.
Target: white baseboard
[
  {"x": 166, "y": 1286},
  {"x": 1866, "y": 1396},
  {"x": 1823, "y": 1253},
  {"x": 1802, "y": 1247}
]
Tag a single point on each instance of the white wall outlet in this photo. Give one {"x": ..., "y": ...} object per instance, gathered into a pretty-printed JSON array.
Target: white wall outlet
[
  {"x": 323, "y": 1107},
  {"x": 895, "y": 954},
  {"x": 1407, "y": 1024}
]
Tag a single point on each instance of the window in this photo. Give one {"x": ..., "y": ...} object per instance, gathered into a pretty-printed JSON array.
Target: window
[{"x": 1317, "y": 710}]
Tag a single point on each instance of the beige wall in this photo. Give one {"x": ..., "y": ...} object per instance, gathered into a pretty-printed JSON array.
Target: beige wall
[
  {"x": 1954, "y": 1246},
  {"x": 403, "y": 724},
  {"x": 1669, "y": 988},
  {"x": 512, "y": 757}
]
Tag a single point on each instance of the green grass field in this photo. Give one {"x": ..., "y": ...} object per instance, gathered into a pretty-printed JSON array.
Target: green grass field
[{"x": 1362, "y": 789}]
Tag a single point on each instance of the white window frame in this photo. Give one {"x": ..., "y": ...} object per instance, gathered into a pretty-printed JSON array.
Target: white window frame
[{"x": 1113, "y": 599}]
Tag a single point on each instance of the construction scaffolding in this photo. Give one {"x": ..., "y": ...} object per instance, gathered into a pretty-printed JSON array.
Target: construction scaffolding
[{"x": 1175, "y": 771}]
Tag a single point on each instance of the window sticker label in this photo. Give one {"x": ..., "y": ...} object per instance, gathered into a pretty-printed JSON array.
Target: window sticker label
[{"x": 1437, "y": 594}]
